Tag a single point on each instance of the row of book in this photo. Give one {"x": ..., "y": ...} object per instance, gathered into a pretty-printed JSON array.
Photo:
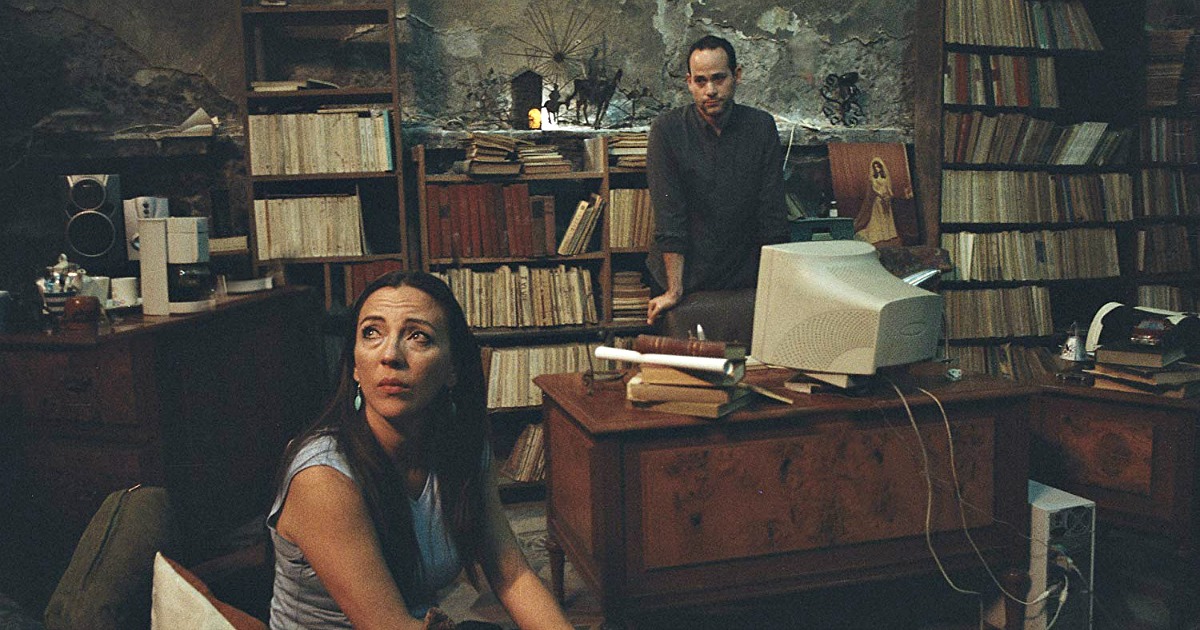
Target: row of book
[
  {"x": 578, "y": 236},
  {"x": 1015, "y": 138},
  {"x": 1168, "y": 297},
  {"x": 1037, "y": 255},
  {"x": 1035, "y": 197},
  {"x": 630, "y": 297},
  {"x": 1163, "y": 139},
  {"x": 630, "y": 218},
  {"x": 1013, "y": 312},
  {"x": 524, "y": 297},
  {"x": 628, "y": 149},
  {"x": 1167, "y": 52},
  {"x": 344, "y": 140},
  {"x": 489, "y": 220},
  {"x": 1044, "y": 24},
  {"x": 527, "y": 460},
  {"x": 1163, "y": 248},
  {"x": 1168, "y": 193},
  {"x": 1010, "y": 361},
  {"x": 999, "y": 80},
  {"x": 511, "y": 370},
  {"x": 308, "y": 227}
]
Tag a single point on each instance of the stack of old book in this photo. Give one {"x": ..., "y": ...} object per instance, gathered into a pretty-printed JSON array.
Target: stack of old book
[
  {"x": 492, "y": 154},
  {"x": 542, "y": 158},
  {"x": 629, "y": 149},
  {"x": 1142, "y": 368},
  {"x": 690, "y": 392},
  {"x": 630, "y": 297}
]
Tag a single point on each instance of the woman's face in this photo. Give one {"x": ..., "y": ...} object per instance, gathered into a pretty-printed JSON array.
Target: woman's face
[{"x": 402, "y": 358}]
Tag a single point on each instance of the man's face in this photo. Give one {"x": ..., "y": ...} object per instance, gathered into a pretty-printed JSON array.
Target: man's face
[{"x": 712, "y": 82}]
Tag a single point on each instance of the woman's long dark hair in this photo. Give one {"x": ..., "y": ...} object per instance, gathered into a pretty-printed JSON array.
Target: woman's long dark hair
[{"x": 453, "y": 442}]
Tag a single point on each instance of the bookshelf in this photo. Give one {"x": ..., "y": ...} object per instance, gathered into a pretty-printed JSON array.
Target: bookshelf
[
  {"x": 324, "y": 156},
  {"x": 1041, "y": 171},
  {"x": 496, "y": 238}
]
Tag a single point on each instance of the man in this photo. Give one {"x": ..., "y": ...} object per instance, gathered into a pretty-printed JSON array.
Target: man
[{"x": 715, "y": 173}]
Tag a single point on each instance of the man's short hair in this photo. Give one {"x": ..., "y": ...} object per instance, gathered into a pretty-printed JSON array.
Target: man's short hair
[{"x": 712, "y": 42}]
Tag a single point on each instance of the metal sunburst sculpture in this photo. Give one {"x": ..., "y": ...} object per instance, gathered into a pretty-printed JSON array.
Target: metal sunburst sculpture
[{"x": 563, "y": 36}]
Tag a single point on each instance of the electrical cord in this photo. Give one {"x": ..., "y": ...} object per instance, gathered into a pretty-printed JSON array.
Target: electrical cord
[{"x": 958, "y": 495}]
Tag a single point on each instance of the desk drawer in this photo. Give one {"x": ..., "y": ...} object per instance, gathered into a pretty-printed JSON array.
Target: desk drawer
[
  {"x": 75, "y": 389},
  {"x": 1127, "y": 456}
]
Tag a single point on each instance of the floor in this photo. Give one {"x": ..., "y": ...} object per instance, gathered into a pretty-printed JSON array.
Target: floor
[
  {"x": 1141, "y": 584},
  {"x": 1139, "y": 581}
]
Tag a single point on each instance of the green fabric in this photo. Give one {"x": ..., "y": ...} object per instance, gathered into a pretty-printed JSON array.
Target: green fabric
[{"x": 107, "y": 584}]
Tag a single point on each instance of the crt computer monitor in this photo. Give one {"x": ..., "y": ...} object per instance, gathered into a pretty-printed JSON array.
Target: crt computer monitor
[{"x": 830, "y": 306}]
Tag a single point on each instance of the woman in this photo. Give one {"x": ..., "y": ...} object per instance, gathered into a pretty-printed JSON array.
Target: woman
[
  {"x": 391, "y": 491},
  {"x": 875, "y": 222}
]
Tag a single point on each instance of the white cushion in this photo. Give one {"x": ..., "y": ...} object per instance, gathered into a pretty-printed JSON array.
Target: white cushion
[{"x": 177, "y": 605}]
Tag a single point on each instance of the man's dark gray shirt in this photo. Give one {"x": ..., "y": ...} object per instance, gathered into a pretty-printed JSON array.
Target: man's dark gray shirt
[{"x": 717, "y": 199}]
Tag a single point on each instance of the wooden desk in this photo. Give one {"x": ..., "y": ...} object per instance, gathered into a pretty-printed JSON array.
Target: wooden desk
[
  {"x": 1135, "y": 455},
  {"x": 202, "y": 404},
  {"x": 662, "y": 511}
]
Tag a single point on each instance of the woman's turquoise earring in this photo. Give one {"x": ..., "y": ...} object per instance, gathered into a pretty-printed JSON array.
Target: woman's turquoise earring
[{"x": 357, "y": 397}]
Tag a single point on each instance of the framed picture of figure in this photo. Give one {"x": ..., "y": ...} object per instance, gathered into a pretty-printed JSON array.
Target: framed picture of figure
[{"x": 872, "y": 184}]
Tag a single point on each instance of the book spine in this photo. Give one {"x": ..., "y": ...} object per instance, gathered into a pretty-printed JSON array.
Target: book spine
[{"x": 659, "y": 344}]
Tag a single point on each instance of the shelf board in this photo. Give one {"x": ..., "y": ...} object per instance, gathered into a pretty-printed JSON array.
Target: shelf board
[
  {"x": 456, "y": 262},
  {"x": 1082, "y": 169},
  {"x": 457, "y": 178},
  {"x": 1020, "y": 51},
  {"x": 308, "y": 177},
  {"x": 964, "y": 107},
  {"x": 325, "y": 14},
  {"x": 981, "y": 227},
  {"x": 368, "y": 95},
  {"x": 967, "y": 285},
  {"x": 629, "y": 250},
  {"x": 332, "y": 259},
  {"x": 624, "y": 170},
  {"x": 995, "y": 341}
]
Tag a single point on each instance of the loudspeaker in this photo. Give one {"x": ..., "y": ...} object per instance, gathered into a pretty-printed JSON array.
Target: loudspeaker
[{"x": 95, "y": 230}]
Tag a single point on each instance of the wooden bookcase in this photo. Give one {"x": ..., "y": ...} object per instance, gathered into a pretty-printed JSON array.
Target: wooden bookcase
[
  {"x": 516, "y": 354},
  {"x": 1040, "y": 238},
  {"x": 311, "y": 165}
]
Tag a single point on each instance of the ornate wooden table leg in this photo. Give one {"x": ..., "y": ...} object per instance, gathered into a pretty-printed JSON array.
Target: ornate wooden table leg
[{"x": 557, "y": 559}]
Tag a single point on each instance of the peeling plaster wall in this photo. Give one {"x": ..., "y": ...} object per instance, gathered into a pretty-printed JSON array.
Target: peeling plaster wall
[
  {"x": 136, "y": 62},
  {"x": 786, "y": 51}
]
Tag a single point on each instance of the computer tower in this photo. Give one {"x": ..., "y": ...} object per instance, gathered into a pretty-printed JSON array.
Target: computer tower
[{"x": 1062, "y": 532}]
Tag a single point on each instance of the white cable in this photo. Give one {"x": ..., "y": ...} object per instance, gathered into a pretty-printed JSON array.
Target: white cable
[
  {"x": 1062, "y": 601},
  {"x": 928, "y": 495},
  {"x": 962, "y": 514}
]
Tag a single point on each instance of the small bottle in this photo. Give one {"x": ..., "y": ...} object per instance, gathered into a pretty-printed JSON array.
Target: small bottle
[{"x": 833, "y": 209}]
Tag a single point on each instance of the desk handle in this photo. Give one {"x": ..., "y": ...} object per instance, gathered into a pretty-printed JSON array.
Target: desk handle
[{"x": 77, "y": 384}]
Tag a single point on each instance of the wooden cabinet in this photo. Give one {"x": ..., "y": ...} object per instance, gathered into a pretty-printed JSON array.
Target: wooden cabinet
[
  {"x": 1134, "y": 455},
  {"x": 202, "y": 404},
  {"x": 1028, "y": 166},
  {"x": 325, "y": 158},
  {"x": 662, "y": 511}
]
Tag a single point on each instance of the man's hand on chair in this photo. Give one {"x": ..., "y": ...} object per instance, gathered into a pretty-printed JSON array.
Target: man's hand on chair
[{"x": 662, "y": 304}]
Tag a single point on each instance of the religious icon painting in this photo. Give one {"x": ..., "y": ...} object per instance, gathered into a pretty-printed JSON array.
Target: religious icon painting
[{"x": 872, "y": 184}]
